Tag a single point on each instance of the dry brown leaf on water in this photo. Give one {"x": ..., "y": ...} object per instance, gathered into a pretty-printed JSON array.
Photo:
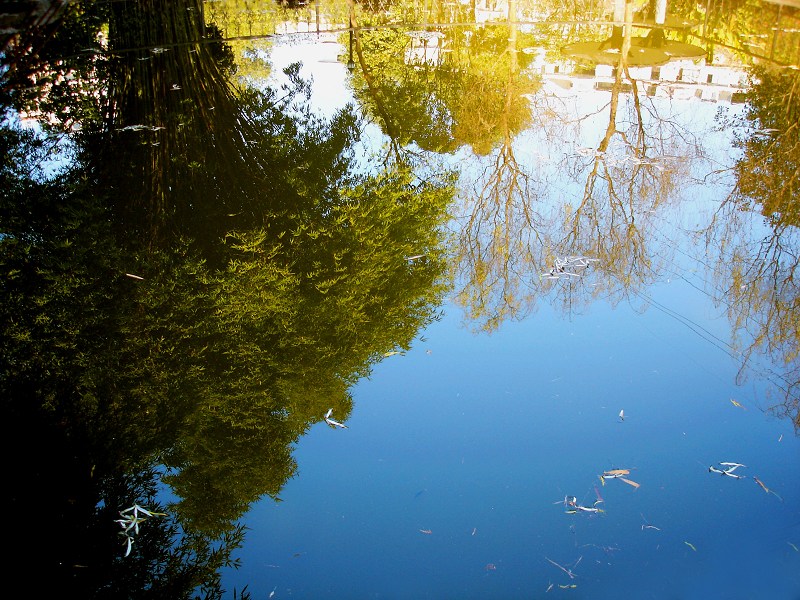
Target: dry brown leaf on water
[{"x": 617, "y": 472}]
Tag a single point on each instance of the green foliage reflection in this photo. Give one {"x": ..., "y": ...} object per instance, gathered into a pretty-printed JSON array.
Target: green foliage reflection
[
  {"x": 207, "y": 274},
  {"x": 445, "y": 90},
  {"x": 758, "y": 273}
]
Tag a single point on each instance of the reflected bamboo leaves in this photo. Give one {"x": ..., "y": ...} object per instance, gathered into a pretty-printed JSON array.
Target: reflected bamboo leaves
[{"x": 243, "y": 274}]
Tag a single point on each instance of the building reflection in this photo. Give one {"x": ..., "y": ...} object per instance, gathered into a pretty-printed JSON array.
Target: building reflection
[{"x": 679, "y": 80}]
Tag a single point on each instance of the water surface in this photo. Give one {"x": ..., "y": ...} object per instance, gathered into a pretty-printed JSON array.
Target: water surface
[{"x": 509, "y": 254}]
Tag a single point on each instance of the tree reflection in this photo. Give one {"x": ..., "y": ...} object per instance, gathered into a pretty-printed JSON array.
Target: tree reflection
[
  {"x": 170, "y": 92},
  {"x": 444, "y": 89},
  {"x": 188, "y": 295},
  {"x": 507, "y": 245},
  {"x": 491, "y": 105},
  {"x": 627, "y": 178},
  {"x": 756, "y": 273},
  {"x": 499, "y": 230},
  {"x": 78, "y": 415}
]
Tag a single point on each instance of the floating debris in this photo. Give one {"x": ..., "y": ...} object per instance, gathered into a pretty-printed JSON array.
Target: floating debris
[
  {"x": 607, "y": 549},
  {"x": 618, "y": 474},
  {"x": 735, "y": 403},
  {"x": 765, "y": 488},
  {"x": 568, "y": 266},
  {"x": 567, "y": 571},
  {"x": 586, "y": 151},
  {"x": 728, "y": 471},
  {"x": 690, "y": 546},
  {"x": 629, "y": 482},
  {"x": 426, "y": 531},
  {"x": 491, "y": 567},
  {"x": 132, "y": 517},
  {"x": 333, "y": 423},
  {"x": 615, "y": 473},
  {"x": 646, "y": 524},
  {"x": 572, "y": 506},
  {"x": 138, "y": 127},
  {"x": 793, "y": 546}
]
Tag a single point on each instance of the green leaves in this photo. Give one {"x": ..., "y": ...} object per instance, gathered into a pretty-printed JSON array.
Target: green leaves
[{"x": 271, "y": 273}]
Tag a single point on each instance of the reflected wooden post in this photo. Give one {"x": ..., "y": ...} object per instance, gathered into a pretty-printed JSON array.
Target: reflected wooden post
[
  {"x": 657, "y": 35},
  {"x": 797, "y": 52},
  {"x": 775, "y": 30},
  {"x": 619, "y": 13},
  {"x": 512, "y": 34},
  {"x": 351, "y": 25},
  {"x": 617, "y": 28},
  {"x": 705, "y": 19},
  {"x": 661, "y": 12}
]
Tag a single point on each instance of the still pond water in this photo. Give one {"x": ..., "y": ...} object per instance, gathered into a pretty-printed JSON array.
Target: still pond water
[
  {"x": 451, "y": 477},
  {"x": 591, "y": 392}
]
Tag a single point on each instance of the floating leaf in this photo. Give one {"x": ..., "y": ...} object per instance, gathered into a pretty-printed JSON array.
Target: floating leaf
[{"x": 617, "y": 472}]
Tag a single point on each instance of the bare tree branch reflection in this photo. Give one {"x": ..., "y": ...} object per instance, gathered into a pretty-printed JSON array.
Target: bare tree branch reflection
[
  {"x": 628, "y": 176},
  {"x": 518, "y": 225},
  {"x": 500, "y": 244},
  {"x": 757, "y": 273}
]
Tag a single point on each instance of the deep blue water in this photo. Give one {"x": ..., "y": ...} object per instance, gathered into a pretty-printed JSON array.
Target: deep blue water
[{"x": 477, "y": 439}]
